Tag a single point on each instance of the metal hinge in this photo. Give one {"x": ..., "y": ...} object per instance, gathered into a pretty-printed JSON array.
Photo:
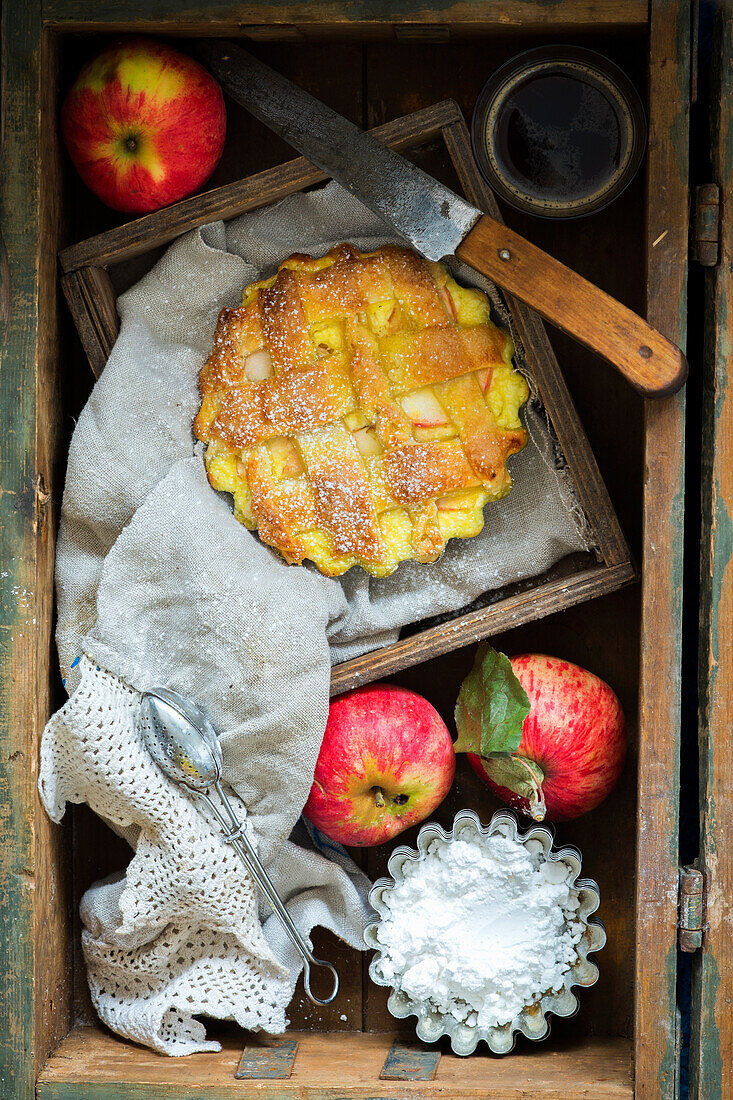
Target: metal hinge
[
  {"x": 691, "y": 908},
  {"x": 706, "y": 224}
]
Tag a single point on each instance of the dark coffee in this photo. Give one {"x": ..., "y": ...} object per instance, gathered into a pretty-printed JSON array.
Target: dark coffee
[
  {"x": 558, "y": 137},
  {"x": 558, "y": 132}
]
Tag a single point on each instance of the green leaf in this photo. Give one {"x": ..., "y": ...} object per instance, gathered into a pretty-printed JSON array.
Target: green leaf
[{"x": 491, "y": 706}]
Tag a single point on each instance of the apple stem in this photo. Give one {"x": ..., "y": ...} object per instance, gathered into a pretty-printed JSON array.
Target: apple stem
[{"x": 379, "y": 797}]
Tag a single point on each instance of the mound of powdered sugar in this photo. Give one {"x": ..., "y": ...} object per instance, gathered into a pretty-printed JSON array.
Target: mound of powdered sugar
[{"x": 480, "y": 928}]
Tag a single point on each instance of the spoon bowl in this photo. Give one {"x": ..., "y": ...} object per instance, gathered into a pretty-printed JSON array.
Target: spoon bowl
[{"x": 180, "y": 739}]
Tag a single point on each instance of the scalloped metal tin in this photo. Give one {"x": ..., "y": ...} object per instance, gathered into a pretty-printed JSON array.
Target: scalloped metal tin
[{"x": 531, "y": 1021}]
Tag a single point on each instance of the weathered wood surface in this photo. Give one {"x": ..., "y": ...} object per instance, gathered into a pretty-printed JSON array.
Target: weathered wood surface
[
  {"x": 334, "y": 16},
  {"x": 711, "y": 1046},
  {"x": 34, "y": 939},
  {"x": 548, "y": 598},
  {"x": 92, "y": 303},
  {"x": 91, "y": 1065},
  {"x": 647, "y": 360},
  {"x": 662, "y": 566},
  {"x": 53, "y": 949},
  {"x": 604, "y": 630}
]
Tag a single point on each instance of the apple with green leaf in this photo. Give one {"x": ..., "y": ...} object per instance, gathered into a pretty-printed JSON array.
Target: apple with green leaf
[
  {"x": 547, "y": 736},
  {"x": 386, "y": 762}
]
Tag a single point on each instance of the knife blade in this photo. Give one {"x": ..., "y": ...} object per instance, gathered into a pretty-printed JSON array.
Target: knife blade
[
  {"x": 430, "y": 216},
  {"x": 437, "y": 222}
]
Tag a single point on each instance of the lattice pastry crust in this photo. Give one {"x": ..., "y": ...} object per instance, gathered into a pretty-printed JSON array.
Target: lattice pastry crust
[{"x": 360, "y": 408}]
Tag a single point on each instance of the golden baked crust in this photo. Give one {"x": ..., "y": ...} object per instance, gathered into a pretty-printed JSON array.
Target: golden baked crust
[{"x": 360, "y": 408}]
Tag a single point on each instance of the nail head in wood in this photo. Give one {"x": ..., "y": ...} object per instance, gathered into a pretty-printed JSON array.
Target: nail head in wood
[
  {"x": 645, "y": 351},
  {"x": 271, "y": 1059},
  {"x": 504, "y": 254},
  {"x": 410, "y": 1062}
]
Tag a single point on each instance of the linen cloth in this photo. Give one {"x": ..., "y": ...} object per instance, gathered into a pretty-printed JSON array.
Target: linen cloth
[{"x": 159, "y": 585}]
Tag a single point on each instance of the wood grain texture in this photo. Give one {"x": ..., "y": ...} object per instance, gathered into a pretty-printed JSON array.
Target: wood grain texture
[
  {"x": 91, "y": 301},
  {"x": 647, "y": 360},
  {"x": 195, "y": 16},
  {"x": 509, "y": 612},
  {"x": 662, "y": 573},
  {"x": 226, "y": 202},
  {"x": 34, "y": 945},
  {"x": 711, "y": 1046},
  {"x": 53, "y": 952},
  {"x": 92, "y": 1065},
  {"x": 549, "y": 1069}
]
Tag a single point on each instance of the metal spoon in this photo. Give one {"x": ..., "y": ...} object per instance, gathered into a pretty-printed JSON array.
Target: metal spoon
[{"x": 183, "y": 743}]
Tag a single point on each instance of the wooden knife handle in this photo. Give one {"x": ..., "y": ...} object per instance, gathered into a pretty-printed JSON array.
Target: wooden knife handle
[{"x": 647, "y": 359}]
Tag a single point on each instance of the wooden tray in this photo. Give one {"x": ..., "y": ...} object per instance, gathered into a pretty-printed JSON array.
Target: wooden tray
[
  {"x": 374, "y": 61},
  {"x": 91, "y": 297}
]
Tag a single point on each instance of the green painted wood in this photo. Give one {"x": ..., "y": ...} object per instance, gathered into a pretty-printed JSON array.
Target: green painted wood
[
  {"x": 410, "y": 1062},
  {"x": 19, "y": 204},
  {"x": 662, "y": 565},
  {"x": 334, "y": 13},
  {"x": 272, "y": 1058},
  {"x": 711, "y": 1046}
]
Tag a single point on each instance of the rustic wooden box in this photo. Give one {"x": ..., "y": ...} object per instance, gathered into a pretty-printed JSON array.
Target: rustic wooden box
[{"x": 375, "y": 62}]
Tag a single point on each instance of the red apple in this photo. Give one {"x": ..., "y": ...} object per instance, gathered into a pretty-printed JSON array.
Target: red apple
[
  {"x": 386, "y": 762},
  {"x": 144, "y": 125},
  {"x": 572, "y": 746}
]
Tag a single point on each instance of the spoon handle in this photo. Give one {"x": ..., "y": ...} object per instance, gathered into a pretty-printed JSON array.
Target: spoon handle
[{"x": 235, "y": 835}]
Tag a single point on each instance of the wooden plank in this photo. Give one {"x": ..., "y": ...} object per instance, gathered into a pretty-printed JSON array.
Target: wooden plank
[
  {"x": 152, "y": 230},
  {"x": 52, "y": 931},
  {"x": 92, "y": 1065},
  {"x": 19, "y": 191},
  {"x": 195, "y": 16},
  {"x": 662, "y": 576},
  {"x": 509, "y": 612},
  {"x": 34, "y": 994},
  {"x": 102, "y": 305},
  {"x": 95, "y": 316},
  {"x": 711, "y": 1044}
]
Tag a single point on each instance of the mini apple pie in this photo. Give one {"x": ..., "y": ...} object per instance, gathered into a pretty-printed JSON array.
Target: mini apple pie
[{"x": 360, "y": 408}]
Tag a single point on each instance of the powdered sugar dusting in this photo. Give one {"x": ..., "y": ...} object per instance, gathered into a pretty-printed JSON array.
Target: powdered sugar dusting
[{"x": 480, "y": 928}]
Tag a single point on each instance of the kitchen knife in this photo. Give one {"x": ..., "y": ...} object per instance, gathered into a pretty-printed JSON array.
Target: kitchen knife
[{"x": 437, "y": 222}]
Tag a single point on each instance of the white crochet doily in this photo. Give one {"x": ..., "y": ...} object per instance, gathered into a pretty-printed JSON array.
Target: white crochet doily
[{"x": 179, "y": 934}]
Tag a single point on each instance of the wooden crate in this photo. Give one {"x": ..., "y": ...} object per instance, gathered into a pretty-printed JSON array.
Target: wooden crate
[
  {"x": 91, "y": 297},
  {"x": 375, "y": 62}
]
